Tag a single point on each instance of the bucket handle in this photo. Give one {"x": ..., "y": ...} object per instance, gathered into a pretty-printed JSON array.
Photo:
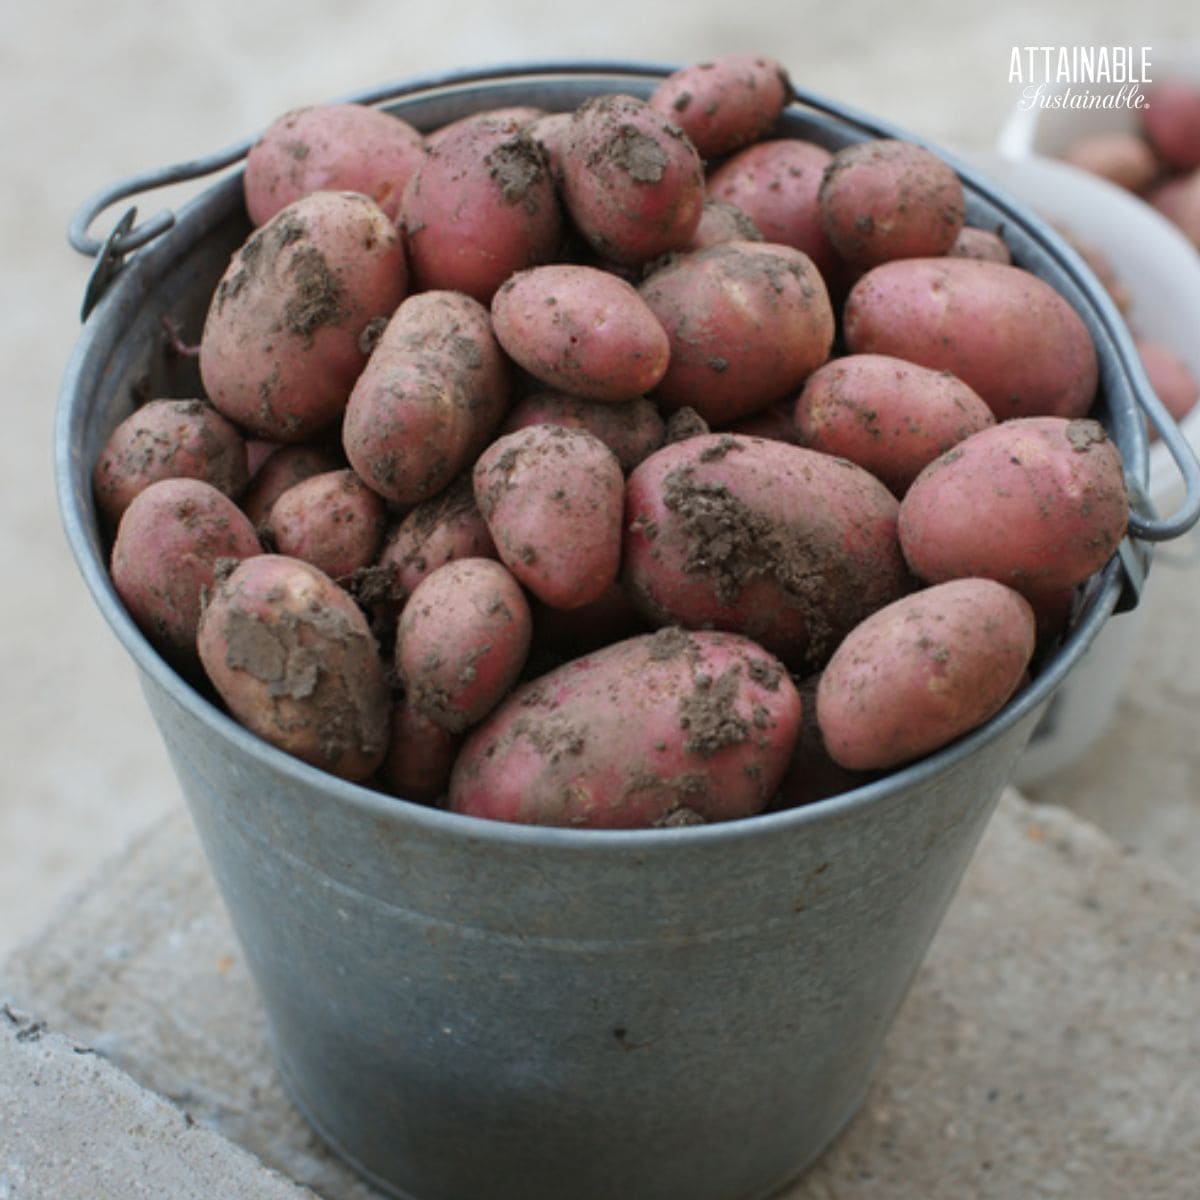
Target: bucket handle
[{"x": 127, "y": 236}]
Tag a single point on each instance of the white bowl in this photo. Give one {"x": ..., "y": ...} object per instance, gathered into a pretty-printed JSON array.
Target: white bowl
[{"x": 1160, "y": 269}]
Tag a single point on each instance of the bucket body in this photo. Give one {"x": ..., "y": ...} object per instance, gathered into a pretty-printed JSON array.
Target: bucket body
[{"x": 469, "y": 1010}]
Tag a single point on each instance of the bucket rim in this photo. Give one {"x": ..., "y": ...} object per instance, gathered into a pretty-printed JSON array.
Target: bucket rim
[{"x": 1100, "y": 595}]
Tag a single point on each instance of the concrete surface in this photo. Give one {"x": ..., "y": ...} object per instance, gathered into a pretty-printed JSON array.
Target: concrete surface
[
  {"x": 87, "y": 98},
  {"x": 73, "y": 1126},
  {"x": 1049, "y": 1046}
]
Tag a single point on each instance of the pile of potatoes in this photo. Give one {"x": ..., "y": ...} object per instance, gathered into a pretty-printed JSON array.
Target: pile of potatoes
[
  {"x": 625, "y": 467},
  {"x": 1158, "y": 160}
]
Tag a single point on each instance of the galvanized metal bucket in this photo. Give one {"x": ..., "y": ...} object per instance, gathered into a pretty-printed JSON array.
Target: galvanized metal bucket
[{"x": 467, "y": 1009}]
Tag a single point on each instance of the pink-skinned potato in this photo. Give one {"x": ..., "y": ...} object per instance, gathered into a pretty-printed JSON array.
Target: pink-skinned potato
[
  {"x": 980, "y": 243},
  {"x": 923, "y": 671},
  {"x": 437, "y": 531},
  {"x": 582, "y": 330},
  {"x": 726, "y": 102},
  {"x": 282, "y": 342},
  {"x": 889, "y": 416},
  {"x": 776, "y": 183},
  {"x": 283, "y": 467},
  {"x": 169, "y": 439},
  {"x": 631, "y": 429},
  {"x": 782, "y": 544},
  {"x": 171, "y": 542},
  {"x": 885, "y": 199},
  {"x": 747, "y": 323},
  {"x": 481, "y": 206},
  {"x": 552, "y": 498},
  {"x": 1037, "y": 503},
  {"x": 331, "y": 147},
  {"x": 332, "y": 520},
  {"x": 462, "y": 641},
  {"x": 432, "y": 394},
  {"x": 291, "y": 655},
  {"x": 669, "y": 728},
  {"x": 420, "y": 755},
  {"x": 632, "y": 182},
  {"x": 1003, "y": 331}
]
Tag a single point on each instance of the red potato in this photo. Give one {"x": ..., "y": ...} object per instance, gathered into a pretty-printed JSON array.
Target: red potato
[
  {"x": 776, "y": 422},
  {"x": 446, "y": 527},
  {"x": 512, "y": 117},
  {"x": 885, "y": 199},
  {"x": 1120, "y": 156},
  {"x": 1038, "y": 503},
  {"x": 1178, "y": 200},
  {"x": 923, "y": 671},
  {"x": 1004, "y": 332},
  {"x": 462, "y": 641},
  {"x": 1171, "y": 122},
  {"x": 552, "y": 498},
  {"x": 331, "y": 148},
  {"x": 722, "y": 221},
  {"x": 291, "y": 656},
  {"x": 776, "y": 184},
  {"x": 631, "y": 430},
  {"x": 980, "y": 243},
  {"x": 172, "y": 539},
  {"x": 420, "y": 756},
  {"x": 632, "y": 182},
  {"x": 432, "y": 394},
  {"x": 725, "y": 103},
  {"x": 282, "y": 342},
  {"x": 481, "y": 206},
  {"x": 1170, "y": 377},
  {"x": 889, "y": 416},
  {"x": 747, "y": 322},
  {"x": 332, "y": 520},
  {"x": 284, "y": 467},
  {"x": 670, "y": 728},
  {"x": 567, "y": 633},
  {"x": 784, "y": 545},
  {"x": 168, "y": 439},
  {"x": 582, "y": 330}
]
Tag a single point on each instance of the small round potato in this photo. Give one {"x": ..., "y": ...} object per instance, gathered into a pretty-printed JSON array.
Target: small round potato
[
  {"x": 724, "y": 103},
  {"x": 632, "y": 181},
  {"x": 290, "y": 654},
  {"x": 331, "y": 148},
  {"x": 172, "y": 539},
  {"x": 462, "y": 641},
  {"x": 886, "y": 199},
  {"x": 169, "y": 439},
  {"x": 553, "y": 498},
  {"x": 923, "y": 671}
]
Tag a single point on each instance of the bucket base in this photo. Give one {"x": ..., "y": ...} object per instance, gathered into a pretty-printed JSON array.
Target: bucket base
[{"x": 295, "y": 1094}]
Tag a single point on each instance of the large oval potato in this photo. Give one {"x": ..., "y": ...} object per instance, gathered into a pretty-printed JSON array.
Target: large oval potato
[
  {"x": 785, "y": 545},
  {"x": 747, "y": 322},
  {"x": 290, "y": 654},
  {"x": 1037, "y": 503},
  {"x": 660, "y": 729},
  {"x": 282, "y": 341},
  {"x": 1002, "y": 331},
  {"x": 923, "y": 671}
]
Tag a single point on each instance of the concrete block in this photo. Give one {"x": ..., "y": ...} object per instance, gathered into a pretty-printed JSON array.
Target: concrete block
[{"x": 72, "y": 1126}]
